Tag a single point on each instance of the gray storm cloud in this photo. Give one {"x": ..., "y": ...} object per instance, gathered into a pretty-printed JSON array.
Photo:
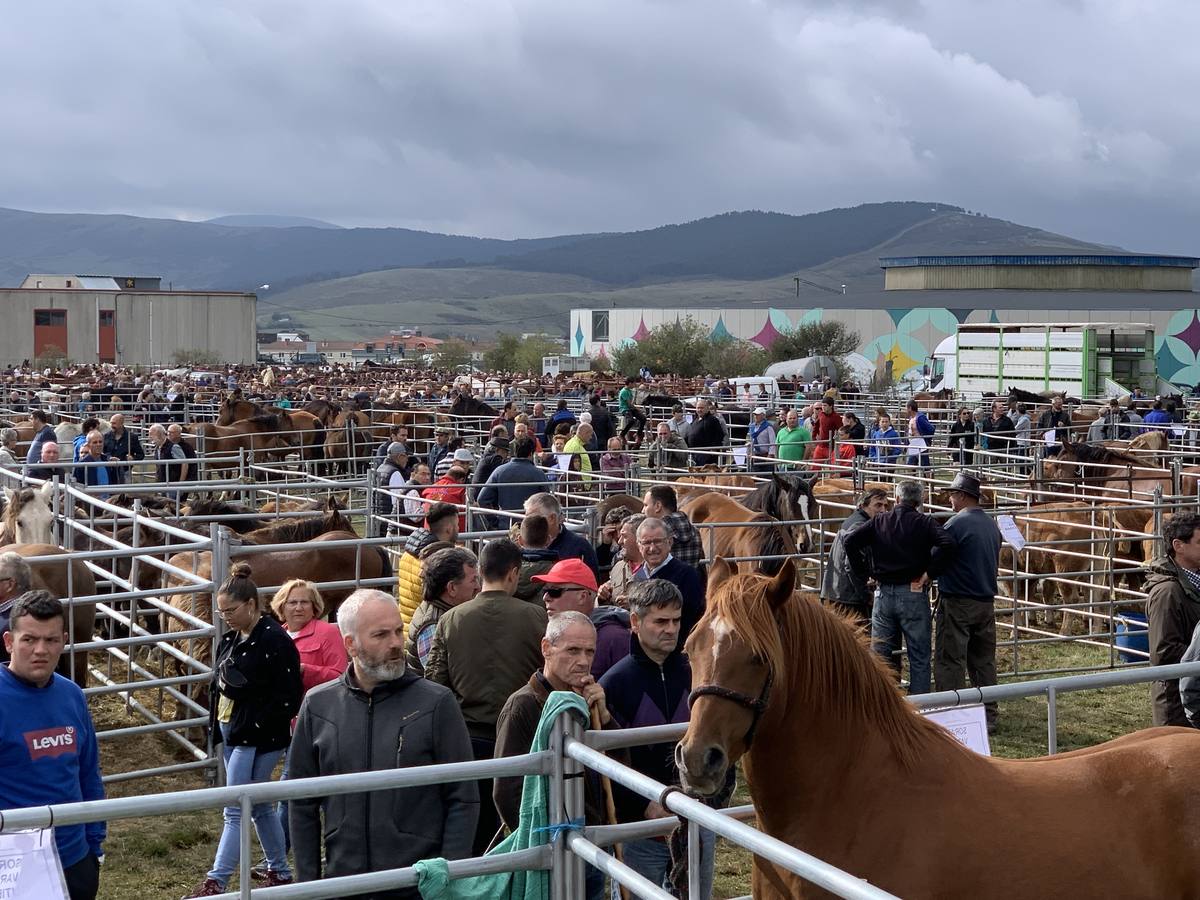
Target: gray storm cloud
[{"x": 539, "y": 117}]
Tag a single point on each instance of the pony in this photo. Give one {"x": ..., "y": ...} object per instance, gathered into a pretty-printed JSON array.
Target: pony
[
  {"x": 788, "y": 498},
  {"x": 762, "y": 536},
  {"x": 53, "y": 576},
  {"x": 1104, "y": 473},
  {"x": 246, "y": 519},
  {"x": 347, "y": 439},
  {"x": 298, "y": 429},
  {"x": 311, "y": 505},
  {"x": 842, "y": 767},
  {"x": 27, "y": 517}
]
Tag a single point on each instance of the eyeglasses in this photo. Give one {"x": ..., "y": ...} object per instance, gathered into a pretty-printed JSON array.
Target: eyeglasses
[
  {"x": 653, "y": 542},
  {"x": 557, "y": 592},
  {"x": 226, "y": 610}
]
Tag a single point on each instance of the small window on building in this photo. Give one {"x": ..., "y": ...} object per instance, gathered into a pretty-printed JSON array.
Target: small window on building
[
  {"x": 107, "y": 318},
  {"x": 600, "y": 325},
  {"x": 68, "y": 282},
  {"x": 50, "y": 317}
]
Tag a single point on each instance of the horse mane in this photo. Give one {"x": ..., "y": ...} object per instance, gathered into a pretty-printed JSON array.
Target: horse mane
[
  {"x": 824, "y": 661},
  {"x": 19, "y": 498},
  {"x": 1094, "y": 453},
  {"x": 772, "y": 541},
  {"x": 266, "y": 419},
  {"x": 294, "y": 531}
]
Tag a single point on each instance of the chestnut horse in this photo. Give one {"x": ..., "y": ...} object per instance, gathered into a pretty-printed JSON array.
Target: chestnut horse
[
  {"x": 52, "y": 576},
  {"x": 842, "y": 767},
  {"x": 762, "y": 535}
]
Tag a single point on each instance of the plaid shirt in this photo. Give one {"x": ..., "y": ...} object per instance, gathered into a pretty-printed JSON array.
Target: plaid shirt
[
  {"x": 1192, "y": 577},
  {"x": 685, "y": 546}
]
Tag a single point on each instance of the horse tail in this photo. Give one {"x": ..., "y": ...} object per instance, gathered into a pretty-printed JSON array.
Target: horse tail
[{"x": 385, "y": 562}]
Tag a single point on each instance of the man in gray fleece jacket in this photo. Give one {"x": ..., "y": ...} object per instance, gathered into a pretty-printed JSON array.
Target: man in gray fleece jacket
[{"x": 379, "y": 716}]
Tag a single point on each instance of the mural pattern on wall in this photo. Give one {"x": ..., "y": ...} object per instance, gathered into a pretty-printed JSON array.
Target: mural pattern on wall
[{"x": 902, "y": 337}]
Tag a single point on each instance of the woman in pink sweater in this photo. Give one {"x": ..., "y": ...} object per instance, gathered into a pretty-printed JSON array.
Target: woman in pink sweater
[{"x": 298, "y": 605}]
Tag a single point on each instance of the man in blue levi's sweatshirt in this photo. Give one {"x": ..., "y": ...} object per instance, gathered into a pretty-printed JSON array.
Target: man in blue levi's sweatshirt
[{"x": 48, "y": 751}]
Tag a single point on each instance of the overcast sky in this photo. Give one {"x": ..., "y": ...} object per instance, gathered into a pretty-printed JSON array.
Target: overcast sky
[{"x": 517, "y": 119}]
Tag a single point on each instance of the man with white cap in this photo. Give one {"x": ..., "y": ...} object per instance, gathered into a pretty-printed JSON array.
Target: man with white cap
[{"x": 760, "y": 442}]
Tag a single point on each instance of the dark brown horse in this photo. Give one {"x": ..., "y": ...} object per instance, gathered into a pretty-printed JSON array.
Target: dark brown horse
[
  {"x": 841, "y": 766},
  {"x": 788, "y": 498},
  {"x": 347, "y": 440},
  {"x": 298, "y": 429}
]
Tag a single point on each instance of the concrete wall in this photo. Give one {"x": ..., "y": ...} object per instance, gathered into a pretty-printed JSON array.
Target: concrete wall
[
  {"x": 150, "y": 326},
  {"x": 1045, "y": 278}
]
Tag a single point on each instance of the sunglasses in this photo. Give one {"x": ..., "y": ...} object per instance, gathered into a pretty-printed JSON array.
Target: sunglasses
[{"x": 557, "y": 592}]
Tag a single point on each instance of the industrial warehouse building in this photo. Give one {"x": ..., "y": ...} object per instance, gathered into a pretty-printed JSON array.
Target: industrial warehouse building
[
  {"x": 127, "y": 320},
  {"x": 923, "y": 300}
]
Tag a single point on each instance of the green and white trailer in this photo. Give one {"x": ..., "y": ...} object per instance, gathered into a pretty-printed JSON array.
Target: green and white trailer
[{"x": 1096, "y": 359}]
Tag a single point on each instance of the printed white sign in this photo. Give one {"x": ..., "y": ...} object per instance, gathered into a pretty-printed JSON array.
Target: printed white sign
[
  {"x": 1010, "y": 532},
  {"x": 1049, "y": 437},
  {"x": 968, "y": 724},
  {"x": 739, "y": 456},
  {"x": 916, "y": 445},
  {"x": 29, "y": 866},
  {"x": 564, "y": 462}
]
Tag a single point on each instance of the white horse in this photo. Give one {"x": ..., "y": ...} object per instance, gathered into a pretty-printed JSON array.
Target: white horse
[{"x": 28, "y": 517}]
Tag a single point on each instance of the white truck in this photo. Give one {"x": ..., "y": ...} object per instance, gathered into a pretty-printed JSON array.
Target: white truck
[
  {"x": 1095, "y": 359},
  {"x": 562, "y": 365}
]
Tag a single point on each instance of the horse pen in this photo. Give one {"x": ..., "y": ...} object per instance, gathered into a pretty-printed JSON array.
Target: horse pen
[{"x": 1070, "y": 590}]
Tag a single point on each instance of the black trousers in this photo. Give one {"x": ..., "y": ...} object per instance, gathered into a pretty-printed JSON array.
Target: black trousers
[
  {"x": 489, "y": 818},
  {"x": 83, "y": 878}
]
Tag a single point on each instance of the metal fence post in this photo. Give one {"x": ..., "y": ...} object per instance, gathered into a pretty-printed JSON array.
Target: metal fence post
[
  {"x": 218, "y": 566},
  {"x": 573, "y": 794},
  {"x": 1051, "y": 720},
  {"x": 557, "y": 787}
]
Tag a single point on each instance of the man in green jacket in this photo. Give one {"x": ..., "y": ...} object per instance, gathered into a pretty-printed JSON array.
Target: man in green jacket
[
  {"x": 1173, "y": 609},
  {"x": 484, "y": 651}
]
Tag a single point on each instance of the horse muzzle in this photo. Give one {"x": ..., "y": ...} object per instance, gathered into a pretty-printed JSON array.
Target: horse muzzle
[{"x": 701, "y": 770}]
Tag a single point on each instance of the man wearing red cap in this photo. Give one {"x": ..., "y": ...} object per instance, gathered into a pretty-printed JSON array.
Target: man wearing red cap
[{"x": 571, "y": 586}]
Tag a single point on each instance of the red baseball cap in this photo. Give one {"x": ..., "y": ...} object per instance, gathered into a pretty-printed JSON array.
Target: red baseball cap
[{"x": 569, "y": 571}]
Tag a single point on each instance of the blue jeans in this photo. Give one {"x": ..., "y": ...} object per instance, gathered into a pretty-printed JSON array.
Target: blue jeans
[
  {"x": 247, "y": 765},
  {"x": 652, "y": 860},
  {"x": 900, "y": 611}
]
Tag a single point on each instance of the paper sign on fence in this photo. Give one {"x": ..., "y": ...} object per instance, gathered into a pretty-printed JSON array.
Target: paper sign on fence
[
  {"x": 563, "y": 463},
  {"x": 968, "y": 724},
  {"x": 1049, "y": 437},
  {"x": 739, "y": 456},
  {"x": 30, "y": 867},
  {"x": 1010, "y": 532}
]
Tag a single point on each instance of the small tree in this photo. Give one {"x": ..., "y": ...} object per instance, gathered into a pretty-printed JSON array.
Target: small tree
[
  {"x": 815, "y": 339},
  {"x": 729, "y": 357},
  {"x": 675, "y": 347},
  {"x": 51, "y": 357},
  {"x": 452, "y": 354}
]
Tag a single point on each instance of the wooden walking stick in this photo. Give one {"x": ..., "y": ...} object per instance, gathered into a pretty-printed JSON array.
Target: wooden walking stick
[{"x": 610, "y": 808}]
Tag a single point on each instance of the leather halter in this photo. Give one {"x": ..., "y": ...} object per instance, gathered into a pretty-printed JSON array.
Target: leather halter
[{"x": 757, "y": 706}]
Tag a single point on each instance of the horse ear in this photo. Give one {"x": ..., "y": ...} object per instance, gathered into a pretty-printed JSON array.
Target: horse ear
[
  {"x": 783, "y": 585},
  {"x": 47, "y": 490},
  {"x": 720, "y": 570}
]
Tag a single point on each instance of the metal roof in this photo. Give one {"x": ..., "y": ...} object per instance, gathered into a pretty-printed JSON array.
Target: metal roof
[
  {"x": 1073, "y": 259},
  {"x": 97, "y": 283}
]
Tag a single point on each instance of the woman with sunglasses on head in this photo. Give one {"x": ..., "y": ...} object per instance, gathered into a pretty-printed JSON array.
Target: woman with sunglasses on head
[
  {"x": 298, "y": 605},
  {"x": 256, "y": 690}
]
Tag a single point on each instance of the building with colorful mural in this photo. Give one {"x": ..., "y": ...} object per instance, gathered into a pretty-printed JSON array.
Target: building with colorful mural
[{"x": 903, "y": 326}]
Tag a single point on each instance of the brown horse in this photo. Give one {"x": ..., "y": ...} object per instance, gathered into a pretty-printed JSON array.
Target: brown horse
[
  {"x": 1104, "y": 473},
  {"x": 347, "y": 439},
  {"x": 762, "y": 535},
  {"x": 702, "y": 479},
  {"x": 299, "y": 429},
  {"x": 841, "y": 766},
  {"x": 1053, "y": 522},
  {"x": 790, "y": 499},
  {"x": 256, "y": 435},
  {"x": 79, "y": 582}
]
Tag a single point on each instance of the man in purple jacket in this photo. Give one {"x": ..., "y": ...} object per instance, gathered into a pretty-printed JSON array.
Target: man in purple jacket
[{"x": 570, "y": 585}]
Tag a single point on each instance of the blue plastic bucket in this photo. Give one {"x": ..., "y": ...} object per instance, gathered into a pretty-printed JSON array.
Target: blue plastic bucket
[{"x": 1133, "y": 633}]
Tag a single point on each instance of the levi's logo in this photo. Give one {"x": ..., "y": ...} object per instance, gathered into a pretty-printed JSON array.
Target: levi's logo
[{"x": 50, "y": 742}]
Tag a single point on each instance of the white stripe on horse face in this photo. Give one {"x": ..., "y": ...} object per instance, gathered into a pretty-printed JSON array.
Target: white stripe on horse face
[
  {"x": 721, "y": 633},
  {"x": 804, "y": 505}
]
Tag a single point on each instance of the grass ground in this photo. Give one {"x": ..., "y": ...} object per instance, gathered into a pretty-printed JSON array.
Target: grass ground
[{"x": 156, "y": 858}]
